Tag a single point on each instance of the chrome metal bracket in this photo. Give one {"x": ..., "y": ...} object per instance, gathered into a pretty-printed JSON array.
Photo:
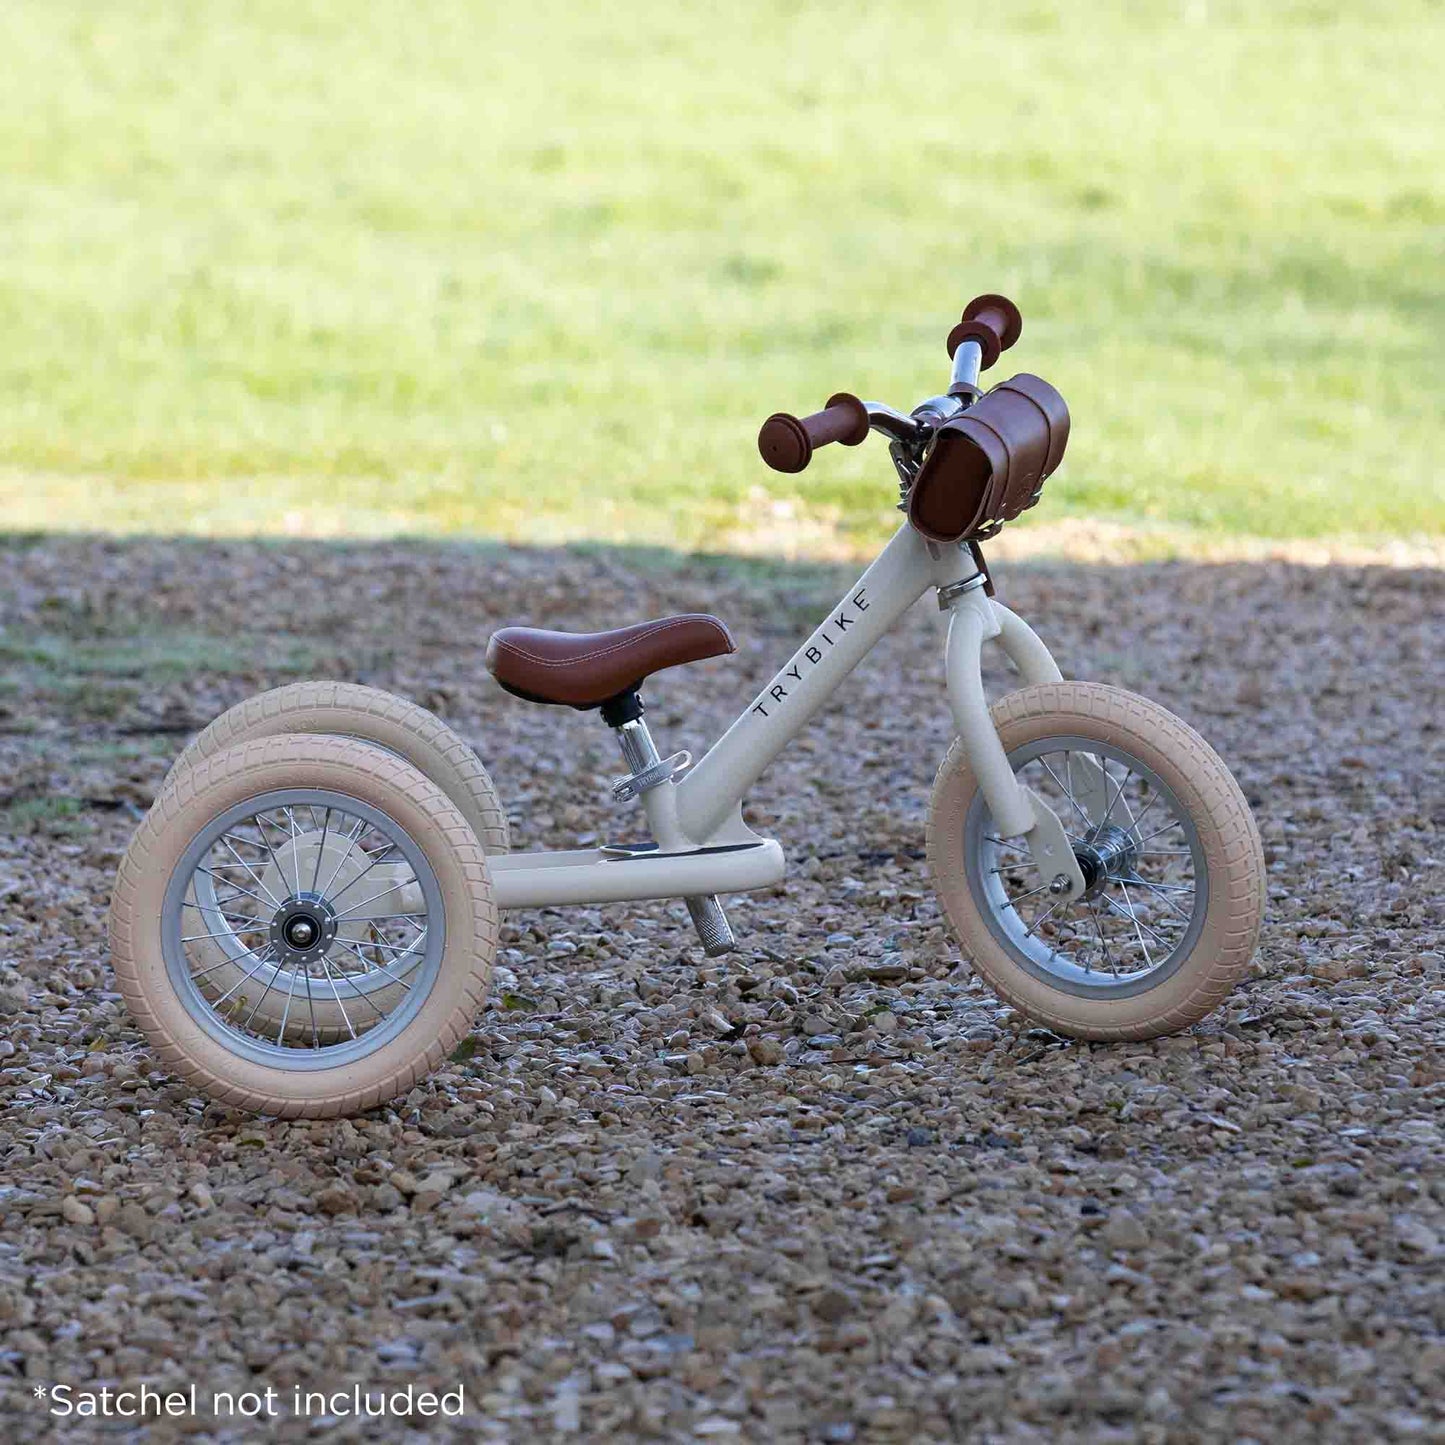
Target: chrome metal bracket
[
  {"x": 948, "y": 595},
  {"x": 653, "y": 776}
]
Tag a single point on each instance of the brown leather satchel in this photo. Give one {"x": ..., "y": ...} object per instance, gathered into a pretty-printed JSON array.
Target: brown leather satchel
[{"x": 990, "y": 464}]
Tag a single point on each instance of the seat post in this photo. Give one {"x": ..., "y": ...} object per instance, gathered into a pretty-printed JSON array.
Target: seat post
[
  {"x": 624, "y": 715},
  {"x": 639, "y": 752}
]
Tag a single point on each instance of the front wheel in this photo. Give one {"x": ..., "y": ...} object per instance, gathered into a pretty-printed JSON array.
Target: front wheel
[{"x": 1168, "y": 848}]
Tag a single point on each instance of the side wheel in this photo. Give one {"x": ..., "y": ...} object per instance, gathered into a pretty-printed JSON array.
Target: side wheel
[
  {"x": 303, "y": 926},
  {"x": 1169, "y": 851},
  {"x": 346, "y": 709}
]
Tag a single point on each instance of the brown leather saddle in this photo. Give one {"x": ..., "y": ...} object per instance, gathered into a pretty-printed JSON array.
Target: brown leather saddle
[{"x": 587, "y": 669}]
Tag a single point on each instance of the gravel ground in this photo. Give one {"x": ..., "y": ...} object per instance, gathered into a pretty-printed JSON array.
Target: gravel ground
[{"x": 829, "y": 1190}]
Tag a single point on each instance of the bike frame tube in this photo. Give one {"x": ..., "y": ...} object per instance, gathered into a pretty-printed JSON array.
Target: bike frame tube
[
  {"x": 1024, "y": 648},
  {"x": 702, "y": 812},
  {"x": 899, "y": 576},
  {"x": 972, "y": 622},
  {"x": 592, "y": 875}
]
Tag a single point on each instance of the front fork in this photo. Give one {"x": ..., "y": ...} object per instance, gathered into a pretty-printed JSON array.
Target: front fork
[{"x": 975, "y": 618}]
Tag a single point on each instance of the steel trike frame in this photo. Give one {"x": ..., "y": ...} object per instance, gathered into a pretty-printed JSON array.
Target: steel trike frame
[{"x": 700, "y": 844}]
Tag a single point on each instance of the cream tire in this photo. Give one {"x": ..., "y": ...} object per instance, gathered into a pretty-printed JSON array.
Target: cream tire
[
  {"x": 346, "y": 709},
  {"x": 1219, "y": 830},
  {"x": 286, "y": 1081}
]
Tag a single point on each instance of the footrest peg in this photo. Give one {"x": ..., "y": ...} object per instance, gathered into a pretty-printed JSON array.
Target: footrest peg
[{"x": 712, "y": 925}]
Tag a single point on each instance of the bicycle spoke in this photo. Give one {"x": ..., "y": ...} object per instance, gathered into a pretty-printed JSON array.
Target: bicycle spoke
[
  {"x": 1109, "y": 811},
  {"x": 374, "y": 967},
  {"x": 392, "y": 947},
  {"x": 1132, "y": 917},
  {"x": 350, "y": 983},
  {"x": 196, "y": 937},
  {"x": 261, "y": 821},
  {"x": 1157, "y": 887},
  {"x": 331, "y": 899},
  {"x": 265, "y": 992},
  {"x": 311, "y": 1004},
  {"x": 245, "y": 892},
  {"x": 1173, "y": 823},
  {"x": 1134, "y": 824},
  {"x": 1020, "y": 897},
  {"x": 233, "y": 918},
  {"x": 1166, "y": 899},
  {"x": 255, "y": 877},
  {"x": 374, "y": 896},
  {"x": 320, "y": 847},
  {"x": 1065, "y": 789},
  {"x": 1044, "y": 918},
  {"x": 349, "y": 839},
  {"x": 1103, "y": 942},
  {"x": 296, "y": 836},
  {"x": 261, "y": 948},
  {"x": 248, "y": 977},
  {"x": 345, "y": 1017},
  {"x": 290, "y": 995}
]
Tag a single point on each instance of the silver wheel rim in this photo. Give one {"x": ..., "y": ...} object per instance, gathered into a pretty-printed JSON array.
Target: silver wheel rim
[
  {"x": 303, "y": 929},
  {"x": 1141, "y": 852}
]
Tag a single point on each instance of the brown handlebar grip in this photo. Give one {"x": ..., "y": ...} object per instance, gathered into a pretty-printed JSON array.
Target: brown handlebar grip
[
  {"x": 786, "y": 443},
  {"x": 992, "y": 321}
]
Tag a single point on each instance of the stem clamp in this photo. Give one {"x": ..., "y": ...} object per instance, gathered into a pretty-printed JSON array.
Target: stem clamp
[{"x": 949, "y": 594}]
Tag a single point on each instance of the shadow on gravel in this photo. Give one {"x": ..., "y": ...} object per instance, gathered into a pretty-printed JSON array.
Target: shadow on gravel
[{"x": 929, "y": 1220}]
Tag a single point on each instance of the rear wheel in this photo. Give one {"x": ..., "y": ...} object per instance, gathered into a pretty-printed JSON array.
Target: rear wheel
[
  {"x": 347, "y": 709},
  {"x": 303, "y": 926},
  {"x": 1169, "y": 851}
]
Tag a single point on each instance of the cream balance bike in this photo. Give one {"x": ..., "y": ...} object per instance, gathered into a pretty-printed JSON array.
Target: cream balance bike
[{"x": 305, "y": 923}]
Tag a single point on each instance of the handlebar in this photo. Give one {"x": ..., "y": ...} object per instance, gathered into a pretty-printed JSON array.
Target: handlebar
[
  {"x": 992, "y": 321},
  {"x": 990, "y": 325},
  {"x": 786, "y": 442}
]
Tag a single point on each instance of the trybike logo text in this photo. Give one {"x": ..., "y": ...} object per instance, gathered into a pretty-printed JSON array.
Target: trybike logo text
[{"x": 812, "y": 654}]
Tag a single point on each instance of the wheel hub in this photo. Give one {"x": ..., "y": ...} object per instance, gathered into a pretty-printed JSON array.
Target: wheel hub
[
  {"x": 1105, "y": 852},
  {"x": 303, "y": 928}
]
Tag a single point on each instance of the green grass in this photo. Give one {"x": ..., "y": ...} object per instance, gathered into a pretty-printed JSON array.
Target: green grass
[
  {"x": 56, "y": 816},
  {"x": 100, "y": 675},
  {"x": 539, "y": 271}
]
